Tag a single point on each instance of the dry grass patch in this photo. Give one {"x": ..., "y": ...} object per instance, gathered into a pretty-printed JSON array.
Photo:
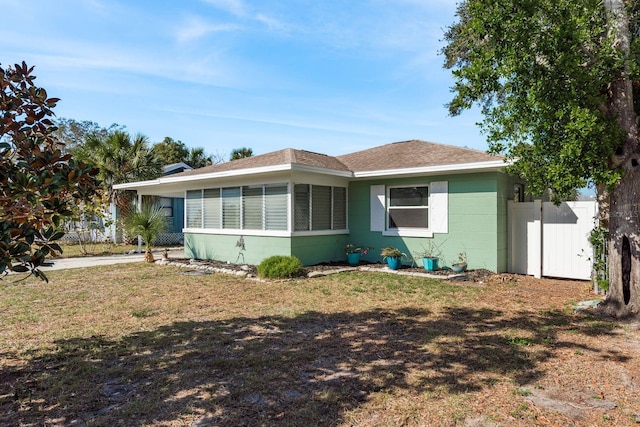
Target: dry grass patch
[
  {"x": 145, "y": 345},
  {"x": 72, "y": 250}
]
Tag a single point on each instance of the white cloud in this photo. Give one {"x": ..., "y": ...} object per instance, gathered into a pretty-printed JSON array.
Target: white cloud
[
  {"x": 86, "y": 57},
  {"x": 235, "y": 7},
  {"x": 272, "y": 23},
  {"x": 240, "y": 10},
  {"x": 195, "y": 28}
]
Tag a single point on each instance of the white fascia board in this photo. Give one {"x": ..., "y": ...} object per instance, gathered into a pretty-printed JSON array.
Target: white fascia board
[
  {"x": 198, "y": 177},
  {"x": 138, "y": 184},
  {"x": 228, "y": 174},
  {"x": 323, "y": 171},
  {"x": 439, "y": 169}
]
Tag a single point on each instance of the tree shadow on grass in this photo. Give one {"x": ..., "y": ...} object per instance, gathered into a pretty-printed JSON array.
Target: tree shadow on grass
[{"x": 304, "y": 370}]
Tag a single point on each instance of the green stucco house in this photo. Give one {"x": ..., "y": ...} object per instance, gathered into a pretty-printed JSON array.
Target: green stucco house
[{"x": 296, "y": 202}]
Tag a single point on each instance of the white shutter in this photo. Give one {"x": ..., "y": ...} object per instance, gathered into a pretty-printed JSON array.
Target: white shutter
[
  {"x": 377, "y": 211},
  {"x": 439, "y": 205}
]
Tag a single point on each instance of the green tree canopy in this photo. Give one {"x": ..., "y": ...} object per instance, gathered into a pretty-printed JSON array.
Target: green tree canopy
[
  {"x": 557, "y": 82},
  {"x": 39, "y": 183},
  {"x": 170, "y": 151},
  {"x": 540, "y": 71},
  {"x": 74, "y": 133}
]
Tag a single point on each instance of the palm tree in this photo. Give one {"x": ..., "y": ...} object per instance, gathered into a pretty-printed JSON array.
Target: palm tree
[
  {"x": 197, "y": 158},
  {"x": 241, "y": 153},
  {"x": 121, "y": 159},
  {"x": 149, "y": 222}
]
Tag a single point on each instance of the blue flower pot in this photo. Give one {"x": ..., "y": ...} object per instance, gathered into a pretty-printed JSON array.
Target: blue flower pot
[
  {"x": 459, "y": 268},
  {"x": 430, "y": 264},
  {"x": 393, "y": 263},
  {"x": 353, "y": 258}
]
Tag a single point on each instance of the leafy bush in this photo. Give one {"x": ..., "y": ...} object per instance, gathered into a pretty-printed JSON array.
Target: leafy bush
[
  {"x": 279, "y": 267},
  {"x": 39, "y": 182}
]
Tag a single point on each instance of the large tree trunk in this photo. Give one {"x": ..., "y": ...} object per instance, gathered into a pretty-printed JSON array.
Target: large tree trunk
[
  {"x": 624, "y": 248},
  {"x": 624, "y": 204}
]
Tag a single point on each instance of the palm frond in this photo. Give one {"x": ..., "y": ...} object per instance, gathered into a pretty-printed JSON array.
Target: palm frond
[{"x": 147, "y": 221}]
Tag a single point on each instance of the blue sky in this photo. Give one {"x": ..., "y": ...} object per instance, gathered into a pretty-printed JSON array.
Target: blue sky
[{"x": 332, "y": 76}]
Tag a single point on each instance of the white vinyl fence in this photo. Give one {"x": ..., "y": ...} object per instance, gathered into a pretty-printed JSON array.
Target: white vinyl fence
[{"x": 549, "y": 240}]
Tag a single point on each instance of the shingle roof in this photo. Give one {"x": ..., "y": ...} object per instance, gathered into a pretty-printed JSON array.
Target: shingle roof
[
  {"x": 397, "y": 155},
  {"x": 275, "y": 158},
  {"x": 412, "y": 154}
]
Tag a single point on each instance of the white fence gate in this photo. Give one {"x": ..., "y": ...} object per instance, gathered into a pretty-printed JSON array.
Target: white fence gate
[{"x": 548, "y": 240}]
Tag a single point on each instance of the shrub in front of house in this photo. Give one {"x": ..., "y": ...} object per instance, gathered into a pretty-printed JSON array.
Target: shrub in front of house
[{"x": 280, "y": 267}]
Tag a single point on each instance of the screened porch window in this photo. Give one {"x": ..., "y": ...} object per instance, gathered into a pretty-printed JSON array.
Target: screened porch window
[
  {"x": 319, "y": 207},
  {"x": 276, "y": 207},
  {"x": 259, "y": 207},
  {"x": 193, "y": 206}
]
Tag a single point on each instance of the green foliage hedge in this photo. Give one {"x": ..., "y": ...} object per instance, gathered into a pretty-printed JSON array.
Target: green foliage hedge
[{"x": 280, "y": 267}]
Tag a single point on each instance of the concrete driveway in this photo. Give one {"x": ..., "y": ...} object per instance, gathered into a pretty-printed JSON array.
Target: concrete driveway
[{"x": 93, "y": 261}]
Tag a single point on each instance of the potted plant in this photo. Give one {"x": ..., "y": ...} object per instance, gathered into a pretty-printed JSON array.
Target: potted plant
[
  {"x": 430, "y": 256},
  {"x": 393, "y": 256},
  {"x": 461, "y": 265},
  {"x": 353, "y": 253}
]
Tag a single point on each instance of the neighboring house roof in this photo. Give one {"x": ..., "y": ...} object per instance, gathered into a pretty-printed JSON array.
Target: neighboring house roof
[{"x": 175, "y": 168}]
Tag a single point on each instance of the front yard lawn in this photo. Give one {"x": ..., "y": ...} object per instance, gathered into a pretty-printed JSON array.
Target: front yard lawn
[{"x": 142, "y": 344}]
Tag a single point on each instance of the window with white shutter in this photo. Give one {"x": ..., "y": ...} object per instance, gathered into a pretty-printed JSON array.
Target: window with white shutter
[
  {"x": 408, "y": 207},
  {"x": 410, "y": 210}
]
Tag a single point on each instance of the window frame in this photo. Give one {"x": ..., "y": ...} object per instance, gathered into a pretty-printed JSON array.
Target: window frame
[
  {"x": 288, "y": 192},
  {"x": 331, "y": 213},
  {"x": 408, "y": 231},
  {"x": 166, "y": 206},
  {"x": 231, "y": 202}
]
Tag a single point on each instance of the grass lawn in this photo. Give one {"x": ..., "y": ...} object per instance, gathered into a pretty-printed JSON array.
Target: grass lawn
[{"x": 142, "y": 344}]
